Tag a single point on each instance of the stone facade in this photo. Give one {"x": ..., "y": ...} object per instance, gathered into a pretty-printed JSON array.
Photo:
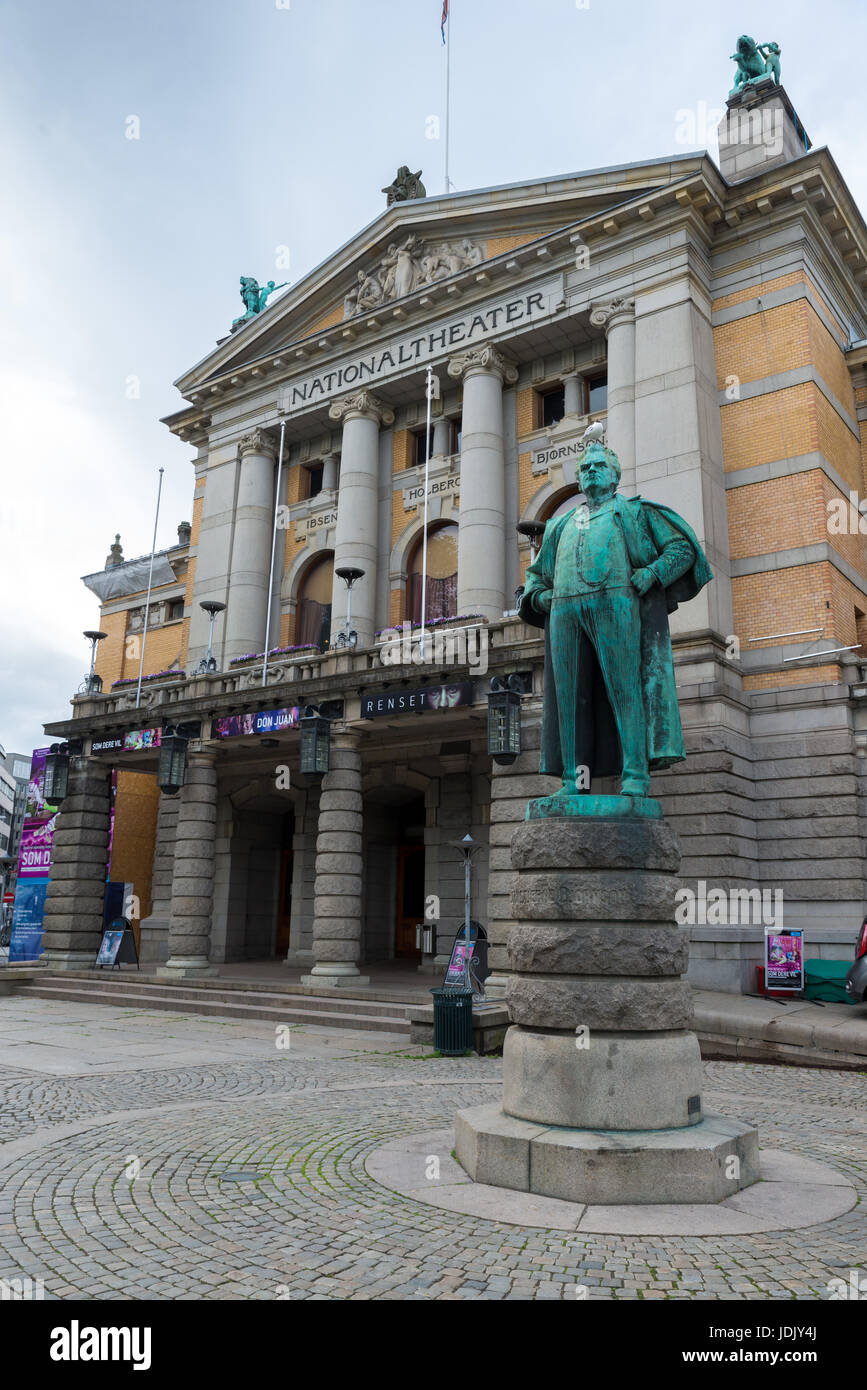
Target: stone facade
[{"x": 708, "y": 321}]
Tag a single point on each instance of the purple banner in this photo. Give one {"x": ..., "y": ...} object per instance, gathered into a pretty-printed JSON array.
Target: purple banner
[
  {"x": 266, "y": 721},
  {"x": 37, "y": 835}
]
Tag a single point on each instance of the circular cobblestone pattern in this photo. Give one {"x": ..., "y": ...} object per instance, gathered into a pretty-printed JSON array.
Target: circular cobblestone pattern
[{"x": 246, "y": 1179}]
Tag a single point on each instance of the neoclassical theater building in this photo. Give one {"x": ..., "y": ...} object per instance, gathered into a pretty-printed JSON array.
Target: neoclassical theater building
[{"x": 714, "y": 319}]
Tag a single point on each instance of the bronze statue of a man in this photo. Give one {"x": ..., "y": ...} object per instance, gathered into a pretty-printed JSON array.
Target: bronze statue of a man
[{"x": 604, "y": 581}]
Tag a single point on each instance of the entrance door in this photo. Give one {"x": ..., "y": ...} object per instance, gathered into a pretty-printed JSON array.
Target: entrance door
[{"x": 410, "y": 899}]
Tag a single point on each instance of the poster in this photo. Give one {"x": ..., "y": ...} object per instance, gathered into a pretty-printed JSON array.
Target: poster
[
  {"x": 26, "y": 941},
  {"x": 37, "y": 834},
  {"x": 784, "y": 960},
  {"x": 109, "y": 947},
  {"x": 460, "y": 953},
  {"x": 265, "y": 721}
]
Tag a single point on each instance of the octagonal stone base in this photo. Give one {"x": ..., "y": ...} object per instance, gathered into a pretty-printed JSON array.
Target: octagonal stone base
[{"x": 706, "y": 1162}]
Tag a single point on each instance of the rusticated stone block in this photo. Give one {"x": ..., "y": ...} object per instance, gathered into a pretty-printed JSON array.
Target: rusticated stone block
[
  {"x": 645, "y": 1005},
  {"x": 576, "y": 948},
  {"x": 576, "y": 843},
  {"x": 329, "y": 949},
  {"x": 600, "y": 895}
]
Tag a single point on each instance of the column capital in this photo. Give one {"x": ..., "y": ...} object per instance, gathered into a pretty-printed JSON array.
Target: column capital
[
  {"x": 483, "y": 359},
  {"x": 606, "y": 312},
  {"x": 363, "y": 403},
  {"x": 258, "y": 441},
  {"x": 347, "y": 740}
]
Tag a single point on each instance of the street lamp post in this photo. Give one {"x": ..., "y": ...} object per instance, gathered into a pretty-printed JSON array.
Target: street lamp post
[
  {"x": 212, "y": 607},
  {"x": 349, "y": 575},
  {"x": 93, "y": 684},
  {"x": 468, "y": 847}
]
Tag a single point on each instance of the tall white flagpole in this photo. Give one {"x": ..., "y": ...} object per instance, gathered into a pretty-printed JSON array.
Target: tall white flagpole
[
  {"x": 144, "y": 636},
  {"x": 424, "y": 532},
  {"x": 273, "y": 548},
  {"x": 448, "y": 89}
]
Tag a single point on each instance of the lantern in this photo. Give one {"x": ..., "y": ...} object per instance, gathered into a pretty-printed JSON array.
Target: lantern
[
  {"x": 315, "y": 742},
  {"x": 56, "y": 778},
  {"x": 173, "y": 762},
  {"x": 504, "y": 721}
]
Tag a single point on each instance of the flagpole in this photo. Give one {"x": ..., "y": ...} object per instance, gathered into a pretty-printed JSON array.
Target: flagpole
[
  {"x": 273, "y": 549},
  {"x": 144, "y": 636},
  {"x": 424, "y": 532},
  {"x": 448, "y": 33}
]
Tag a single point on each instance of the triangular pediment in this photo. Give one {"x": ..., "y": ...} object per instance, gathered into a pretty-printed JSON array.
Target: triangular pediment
[{"x": 428, "y": 242}]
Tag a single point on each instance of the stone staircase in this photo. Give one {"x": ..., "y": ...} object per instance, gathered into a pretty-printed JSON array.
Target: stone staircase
[{"x": 384, "y": 1011}]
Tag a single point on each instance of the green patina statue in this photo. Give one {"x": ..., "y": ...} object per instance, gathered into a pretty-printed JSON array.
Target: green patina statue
[
  {"x": 602, "y": 586},
  {"x": 755, "y": 61},
  {"x": 255, "y": 297}
]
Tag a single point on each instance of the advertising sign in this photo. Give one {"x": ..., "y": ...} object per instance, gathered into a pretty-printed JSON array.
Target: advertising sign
[
  {"x": 26, "y": 941},
  {"x": 461, "y": 951},
  {"x": 419, "y": 701},
  {"x": 784, "y": 959},
  {"x": 263, "y": 721},
  {"x": 131, "y": 742},
  {"x": 109, "y": 947},
  {"x": 37, "y": 834}
]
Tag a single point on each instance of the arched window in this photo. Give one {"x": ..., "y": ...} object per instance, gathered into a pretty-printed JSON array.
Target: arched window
[
  {"x": 564, "y": 502},
  {"x": 441, "y": 596},
  {"x": 314, "y": 604}
]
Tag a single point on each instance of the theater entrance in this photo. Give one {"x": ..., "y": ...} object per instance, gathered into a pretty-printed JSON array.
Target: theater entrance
[{"x": 394, "y": 857}]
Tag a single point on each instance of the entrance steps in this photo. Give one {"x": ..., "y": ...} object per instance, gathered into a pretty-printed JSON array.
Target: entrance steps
[{"x": 384, "y": 1011}]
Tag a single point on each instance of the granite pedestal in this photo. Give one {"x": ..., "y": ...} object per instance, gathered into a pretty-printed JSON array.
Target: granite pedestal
[{"x": 602, "y": 1074}]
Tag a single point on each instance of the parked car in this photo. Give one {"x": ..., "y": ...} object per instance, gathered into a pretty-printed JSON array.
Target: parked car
[{"x": 856, "y": 980}]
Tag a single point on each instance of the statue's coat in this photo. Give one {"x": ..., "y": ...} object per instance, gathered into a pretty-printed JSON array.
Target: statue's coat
[{"x": 597, "y": 743}]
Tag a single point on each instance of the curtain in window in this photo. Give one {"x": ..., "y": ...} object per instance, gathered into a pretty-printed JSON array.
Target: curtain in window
[
  {"x": 441, "y": 598},
  {"x": 314, "y": 623}
]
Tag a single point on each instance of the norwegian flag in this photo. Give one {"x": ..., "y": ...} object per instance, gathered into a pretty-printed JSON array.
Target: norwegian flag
[{"x": 444, "y": 19}]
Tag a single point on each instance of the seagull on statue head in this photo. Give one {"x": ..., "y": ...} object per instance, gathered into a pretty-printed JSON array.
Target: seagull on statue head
[{"x": 594, "y": 434}]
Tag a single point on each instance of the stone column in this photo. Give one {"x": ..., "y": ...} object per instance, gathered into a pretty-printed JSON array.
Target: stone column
[
  {"x": 482, "y": 529},
  {"x": 356, "y": 538},
  {"x": 329, "y": 473},
  {"x": 155, "y": 928},
  {"x": 75, "y": 895},
  {"x": 573, "y": 391},
  {"x": 442, "y": 437},
  {"x": 617, "y": 317},
  {"x": 193, "y": 878},
  {"x": 251, "y": 549},
  {"x": 337, "y": 912}
]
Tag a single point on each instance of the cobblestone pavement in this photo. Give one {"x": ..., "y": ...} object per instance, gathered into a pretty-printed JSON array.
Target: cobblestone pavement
[{"x": 244, "y": 1177}]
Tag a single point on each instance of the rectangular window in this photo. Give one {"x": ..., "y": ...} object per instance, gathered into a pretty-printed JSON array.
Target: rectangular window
[
  {"x": 314, "y": 480},
  {"x": 597, "y": 393},
  {"x": 419, "y": 441},
  {"x": 553, "y": 406},
  {"x": 175, "y": 610}
]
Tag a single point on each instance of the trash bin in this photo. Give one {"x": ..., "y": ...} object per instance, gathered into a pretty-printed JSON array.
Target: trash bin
[{"x": 453, "y": 1021}]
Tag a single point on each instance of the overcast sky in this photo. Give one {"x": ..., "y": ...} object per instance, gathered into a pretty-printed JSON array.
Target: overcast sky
[{"x": 269, "y": 123}]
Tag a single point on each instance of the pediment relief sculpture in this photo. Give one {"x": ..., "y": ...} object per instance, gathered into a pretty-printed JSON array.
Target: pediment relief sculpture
[{"x": 409, "y": 267}]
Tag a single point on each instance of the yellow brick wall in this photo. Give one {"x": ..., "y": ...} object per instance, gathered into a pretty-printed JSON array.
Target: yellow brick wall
[
  {"x": 399, "y": 518},
  {"x": 777, "y": 340},
  {"x": 789, "y": 600},
  {"x": 403, "y": 450},
  {"x": 498, "y": 245},
  {"x": 837, "y": 442},
  {"x": 527, "y": 484},
  {"x": 135, "y": 824},
  {"x": 767, "y": 428},
  {"x": 319, "y": 325},
  {"x": 110, "y": 653},
  {"x": 781, "y": 282},
  {"x": 526, "y": 405},
  {"x": 777, "y": 515},
  {"x": 782, "y": 680}
]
